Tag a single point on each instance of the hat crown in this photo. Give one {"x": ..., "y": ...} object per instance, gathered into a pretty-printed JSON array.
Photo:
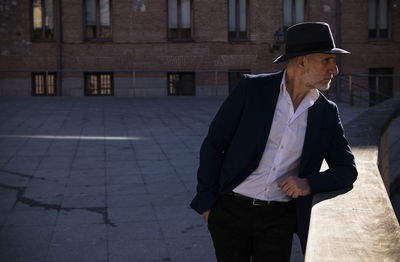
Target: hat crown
[{"x": 309, "y": 37}]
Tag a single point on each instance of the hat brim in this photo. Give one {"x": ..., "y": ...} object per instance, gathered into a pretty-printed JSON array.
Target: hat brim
[{"x": 286, "y": 57}]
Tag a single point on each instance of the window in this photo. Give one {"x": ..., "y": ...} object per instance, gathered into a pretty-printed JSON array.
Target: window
[
  {"x": 179, "y": 20},
  {"x": 44, "y": 84},
  {"x": 181, "y": 84},
  {"x": 43, "y": 19},
  {"x": 293, "y": 12},
  {"x": 378, "y": 19},
  {"x": 381, "y": 89},
  {"x": 99, "y": 84},
  {"x": 237, "y": 19},
  {"x": 234, "y": 77},
  {"x": 97, "y": 16}
]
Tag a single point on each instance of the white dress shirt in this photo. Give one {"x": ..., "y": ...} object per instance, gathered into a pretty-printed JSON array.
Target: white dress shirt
[{"x": 281, "y": 157}]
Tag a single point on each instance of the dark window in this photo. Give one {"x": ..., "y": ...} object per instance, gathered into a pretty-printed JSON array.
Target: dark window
[
  {"x": 43, "y": 19},
  {"x": 380, "y": 86},
  {"x": 179, "y": 20},
  {"x": 293, "y": 12},
  {"x": 97, "y": 19},
  {"x": 44, "y": 84},
  {"x": 378, "y": 19},
  {"x": 234, "y": 78},
  {"x": 237, "y": 19},
  {"x": 99, "y": 84},
  {"x": 181, "y": 84}
]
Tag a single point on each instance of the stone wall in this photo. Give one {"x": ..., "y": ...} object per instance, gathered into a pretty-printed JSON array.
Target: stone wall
[{"x": 360, "y": 224}]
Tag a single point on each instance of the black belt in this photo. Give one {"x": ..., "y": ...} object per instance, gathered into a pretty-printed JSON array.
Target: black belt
[{"x": 255, "y": 201}]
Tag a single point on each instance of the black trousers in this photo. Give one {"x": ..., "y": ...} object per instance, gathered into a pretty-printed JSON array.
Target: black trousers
[{"x": 241, "y": 231}]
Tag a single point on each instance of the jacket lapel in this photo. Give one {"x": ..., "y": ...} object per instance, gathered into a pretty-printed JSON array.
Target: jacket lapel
[
  {"x": 268, "y": 98},
  {"x": 314, "y": 123}
]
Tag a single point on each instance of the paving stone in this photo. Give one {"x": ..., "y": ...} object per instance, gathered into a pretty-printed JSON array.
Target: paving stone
[
  {"x": 52, "y": 173},
  {"x": 88, "y": 162},
  {"x": 29, "y": 236},
  {"x": 172, "y": 185},
  {"x": 120, "y": 179},
  {"x": 30, "y": 252},
  {"x": 47, "y": 182},
  {"x": 128, "y": 164},
  {"x": 7, "y": 195},
  {"x": 44, "y": 191},
  {"x": 23, "y": 163},
  {"x": 171, "y": 199},
  {"x": 7, "y": 203},
  {"x": 88, "y": 180},
  {"x": 3, "y": 217},
  {"x": 180, "y": 213},
  {"x": 32, "y": 217},
  {"x": 91, "y": 172},
  {"x": 83, "y": 233},
  {"x": 184, "y": 229},
  {"x": 154, "y": 176},
  {"x": 85, "y": 190},
  {"x": 98, "y": 201},
  {"x": 55, "y": 162},
  {"x": 124, "y": 170},
  {"x": 79, "y": 216},
  {"x": 126, "y": 189},
  {"x": 131, "y": 214},
  {"x": 193, "y": 249},
  {"x": 149, "y": 250},
  {"x": 95, "y": 251},
  {"x": 126, "y": 201},
  {"x": 139, "y": 230}
]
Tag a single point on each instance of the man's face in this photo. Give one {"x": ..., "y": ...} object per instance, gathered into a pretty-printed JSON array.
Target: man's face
[{"x": 319, "y": 70}]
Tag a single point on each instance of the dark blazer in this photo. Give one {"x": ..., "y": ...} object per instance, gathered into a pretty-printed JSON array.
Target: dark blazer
[{"x": 238, "y": 135}]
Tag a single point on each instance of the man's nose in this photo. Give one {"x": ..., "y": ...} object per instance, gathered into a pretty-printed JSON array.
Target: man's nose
[{"x": 333, "y": 69}]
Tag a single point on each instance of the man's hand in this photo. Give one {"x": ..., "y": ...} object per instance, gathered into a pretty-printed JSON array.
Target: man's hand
[
  {"x": 295, "y": 187},
  {"x": 205, "y": 215}
]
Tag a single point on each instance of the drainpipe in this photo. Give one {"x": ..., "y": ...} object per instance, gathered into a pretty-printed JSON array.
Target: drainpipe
[
  {"x": 59, "y": 49},
  {"x": 338, "y": 43}
]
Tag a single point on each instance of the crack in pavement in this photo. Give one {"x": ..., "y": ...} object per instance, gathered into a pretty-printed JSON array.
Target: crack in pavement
[
  {"x": 34, "y": 203},
  {"x": 21, "y": 174}
]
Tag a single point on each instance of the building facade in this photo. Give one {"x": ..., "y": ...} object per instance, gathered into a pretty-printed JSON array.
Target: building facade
[{"x": 182, "y": 47}]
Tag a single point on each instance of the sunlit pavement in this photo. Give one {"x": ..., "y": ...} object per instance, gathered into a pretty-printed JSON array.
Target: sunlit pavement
[{"x": 104, "y": 178}]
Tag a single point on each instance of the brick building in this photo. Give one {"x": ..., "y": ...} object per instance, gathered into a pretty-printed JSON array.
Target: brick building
[{"x": 181, "y": 47}]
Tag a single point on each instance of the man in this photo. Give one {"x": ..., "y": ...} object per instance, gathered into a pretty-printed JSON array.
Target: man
[{"x": 260, "y": 162}]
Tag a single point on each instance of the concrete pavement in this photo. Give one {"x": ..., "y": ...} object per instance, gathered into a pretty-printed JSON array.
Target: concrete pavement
[{"x": 104, "y": 178}]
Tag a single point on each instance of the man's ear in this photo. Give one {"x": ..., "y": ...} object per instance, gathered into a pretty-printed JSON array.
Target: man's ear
[{"x": 300, "y": 61}]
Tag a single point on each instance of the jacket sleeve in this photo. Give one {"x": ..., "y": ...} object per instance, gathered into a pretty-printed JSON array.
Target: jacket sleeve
[
  {"x": 220, "y": 134},
  {"x": 342, "y": 170}
]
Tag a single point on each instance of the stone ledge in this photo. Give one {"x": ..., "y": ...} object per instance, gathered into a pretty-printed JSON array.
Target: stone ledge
[{"x": 360, "y": 224}]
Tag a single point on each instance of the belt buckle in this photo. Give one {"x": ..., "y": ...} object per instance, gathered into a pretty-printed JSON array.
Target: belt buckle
[{"x": 262, "y": 203}]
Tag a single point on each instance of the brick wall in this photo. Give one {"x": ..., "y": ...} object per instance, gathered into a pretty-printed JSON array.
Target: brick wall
[{"x": 139, "y": 42}]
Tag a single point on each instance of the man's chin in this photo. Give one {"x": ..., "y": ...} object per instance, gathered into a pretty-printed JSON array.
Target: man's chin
[{"x": 323, "y": 88}]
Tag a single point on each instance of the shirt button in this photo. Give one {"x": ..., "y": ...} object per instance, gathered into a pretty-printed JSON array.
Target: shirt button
[
  {"x": 281, "y": 147},
  {"x": 274, "y": 169}
]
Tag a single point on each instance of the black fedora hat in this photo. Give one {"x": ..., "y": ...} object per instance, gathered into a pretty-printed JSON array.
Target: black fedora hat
[{"x": 308, "y": 38}]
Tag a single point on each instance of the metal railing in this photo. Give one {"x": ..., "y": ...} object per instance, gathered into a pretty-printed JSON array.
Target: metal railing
[{"x": 375, "y": 93}]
